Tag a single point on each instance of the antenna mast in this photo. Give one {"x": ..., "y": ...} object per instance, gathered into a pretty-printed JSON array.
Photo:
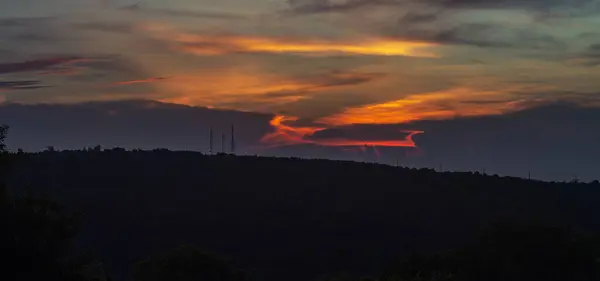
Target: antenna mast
[
  {"x": 232, "y": 139},
  {"x": 223, "y": 142},
  {"x": 210, "y": 140}
]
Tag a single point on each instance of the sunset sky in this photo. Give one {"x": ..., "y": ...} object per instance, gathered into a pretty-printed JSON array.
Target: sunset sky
[{"x": 315, "y": 64}]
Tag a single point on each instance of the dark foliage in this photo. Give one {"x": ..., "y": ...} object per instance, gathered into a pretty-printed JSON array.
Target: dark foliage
[
  {"x": 293, "y": 219},
  {"x": 35, "y": 238},
  {"x": 3, "y": 132},
  {"x": 37, "y": 234},
  {"x": 186, "y": 263},
  {"x": 510, "y": 251}
]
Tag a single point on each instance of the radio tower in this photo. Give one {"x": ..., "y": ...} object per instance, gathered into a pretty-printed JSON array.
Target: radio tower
[
  {"x": 232, "y": 140},
  {"x": 223, "y": 143},
  {"x": 210, "y": 140}
]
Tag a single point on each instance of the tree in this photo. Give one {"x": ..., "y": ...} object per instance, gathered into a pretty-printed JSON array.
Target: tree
[
  {"x": 3, "y": 132},
  {"x": 37, "y": 234},
  {"x": 510, "y": 251},
  {"x": 186, "y": 263},
  {"x": 35, "y": 238}
]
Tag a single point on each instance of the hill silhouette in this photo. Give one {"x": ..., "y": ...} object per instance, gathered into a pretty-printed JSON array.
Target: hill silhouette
[{"x": 279, "y": 216}]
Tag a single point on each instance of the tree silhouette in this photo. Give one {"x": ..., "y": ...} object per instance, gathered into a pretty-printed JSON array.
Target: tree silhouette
[
  {"x": 186, "y": 263},
  {"x": 510, "y": 251},
  {"x": 36, "y": 235},
  {"x": 3, "y": 132}
]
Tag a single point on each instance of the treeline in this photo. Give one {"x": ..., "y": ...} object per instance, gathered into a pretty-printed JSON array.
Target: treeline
[{"x": 158, "y": 215}]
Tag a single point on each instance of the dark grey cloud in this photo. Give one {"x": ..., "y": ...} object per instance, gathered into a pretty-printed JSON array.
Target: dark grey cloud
[
  {"x": 428, "y": 22},
  {"x": 326, "y": 6},
  {"x": 555, "y": 141},
  {"x": 38, "y": 64},
  {"x": 419, "y": 17},
  {"x": 26, "y": 33},
  {"x": 36, "y": 37},
  {"x": 79, "y": 68},
  {"x": 115, "y": 27},
  {"x": 129, "y": 124},
  {"x": 590, "y": 57},
  {"x": 480, "y": 35},
  {"x": 21, "y": 85},
  {"x": 183, "y": 13},
  {"x": 24, "y": 21},
  {"x": 510, "y": 4},
  {"x": 574, "y": 8}
]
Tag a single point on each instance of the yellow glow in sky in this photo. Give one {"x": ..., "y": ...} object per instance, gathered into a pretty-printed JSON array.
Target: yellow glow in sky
[{"x": 199, "y": 44}]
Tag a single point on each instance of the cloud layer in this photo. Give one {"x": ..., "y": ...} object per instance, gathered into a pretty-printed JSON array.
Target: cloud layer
[{"x": 310, "y": 66}]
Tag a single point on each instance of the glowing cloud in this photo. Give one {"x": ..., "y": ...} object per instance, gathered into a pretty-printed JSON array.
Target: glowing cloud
[
  {"x": 285, "y": 134},
  {"x": 250, "y": 90},
  {"x": 207, "y": 45},
  {"x": 437, "y": 105}
]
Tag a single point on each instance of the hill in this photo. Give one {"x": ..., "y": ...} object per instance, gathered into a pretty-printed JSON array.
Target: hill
[{"x": 287, "y": 218}]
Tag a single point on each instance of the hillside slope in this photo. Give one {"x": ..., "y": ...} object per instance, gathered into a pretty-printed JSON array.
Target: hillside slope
[{"x": 280, "y": 215}]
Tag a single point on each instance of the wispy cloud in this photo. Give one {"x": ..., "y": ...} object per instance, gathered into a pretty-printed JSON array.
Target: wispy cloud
[
  {"x": 255, "y": 91},
  {"x": 328, "y": 6},
  {"x": 430, "y": 106},
  {"x": 209, "y": 45},
  {"x": 325, "y": 6},
  {"x": 140, "y": 8},
  {"x": 476, "y": 34},
  {"x": 6, "y": 86},
  {"x": 141, "y": 81},
  {"x": 41, "y": 64},
  {"x": 114, "y": 27}
]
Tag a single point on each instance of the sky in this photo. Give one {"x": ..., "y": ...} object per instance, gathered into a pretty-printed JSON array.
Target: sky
[{"x": 312, "y": 66}]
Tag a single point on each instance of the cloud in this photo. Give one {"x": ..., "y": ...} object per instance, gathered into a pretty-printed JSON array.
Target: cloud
[
  {"x": 20, "y": 85},
  {"x": 286, "y": 134},
  {"x": 211, "y": 45},
  {"x": 24, "y": 21},
  {"x": 532, "y": 5},
  {"x": 41, "y": 64},
  {"x": 130, "y": 124},
  {"x": 439, "y": 23},
  {"x": 114, "y": 27},
  {"x": 590, "y": 57},
  {"x": 257, "y": 90},
  {"x": 324, "y": 6},
  {"x": 148, "y": 80},
  {"x": 418, "y": 17},
  {"x": 184, "y": 13},
  {"x": 437, "y": 105},
  {"x": 553, "y": 141},
  {"x": 477, "y": 34},
  {"x": 327, "y": 6}
]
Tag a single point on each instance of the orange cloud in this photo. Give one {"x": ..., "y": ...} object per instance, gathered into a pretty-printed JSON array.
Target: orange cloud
[
  {"x": 285, "y": 134},
  {"x": 206, "y": 45},
  {"x": 254, "y": 90},
  {"x": 436, "y": 105},
  {"x": 430, "y": 106}
]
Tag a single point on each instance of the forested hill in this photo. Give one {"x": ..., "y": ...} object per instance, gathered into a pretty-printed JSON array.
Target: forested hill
[{"x": 280, "y": 215}]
